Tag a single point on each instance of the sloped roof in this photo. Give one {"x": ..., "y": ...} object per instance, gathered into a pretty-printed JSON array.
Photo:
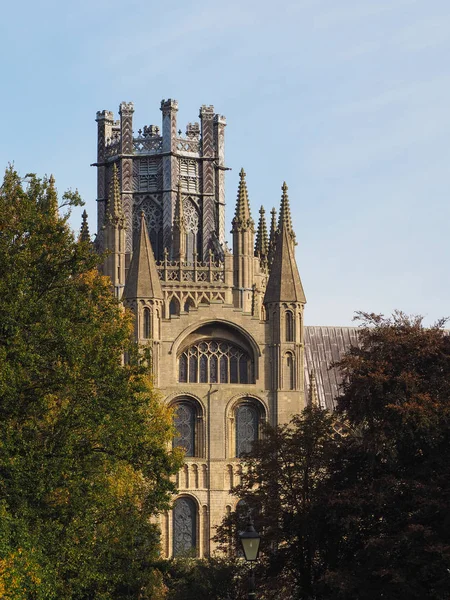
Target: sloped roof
[
  {"x": 324, "y": 346},
  {"x": 284, "y": 283},
  {"x": 143, "y": 279}
]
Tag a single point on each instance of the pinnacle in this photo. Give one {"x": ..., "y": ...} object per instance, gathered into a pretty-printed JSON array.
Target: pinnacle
[
  {"x": 242, "y": 218},
  {"x": 285, "y": 213},
  {"x": 84, "y": 230},
  {"x": 114, "y": 199},
  {"x": 262, "y": 240}
]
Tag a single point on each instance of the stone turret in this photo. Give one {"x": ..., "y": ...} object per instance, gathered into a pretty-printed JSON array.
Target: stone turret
[
  {"x": 114, "y": 235},
  {"x": 243, "y": 231},
  {"x": 144, "y": 296},
  {"x": 284, "y": 301}
]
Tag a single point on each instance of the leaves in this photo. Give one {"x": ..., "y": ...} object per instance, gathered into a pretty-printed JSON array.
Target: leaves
[{"x": 83, "y": 451}]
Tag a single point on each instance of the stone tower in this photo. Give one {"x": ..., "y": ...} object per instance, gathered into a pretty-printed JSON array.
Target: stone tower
[{"x": 225, "y": 329}]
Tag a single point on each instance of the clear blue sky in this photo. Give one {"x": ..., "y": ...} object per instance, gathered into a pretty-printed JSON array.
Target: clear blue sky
[{"x": 346, "y": 100}]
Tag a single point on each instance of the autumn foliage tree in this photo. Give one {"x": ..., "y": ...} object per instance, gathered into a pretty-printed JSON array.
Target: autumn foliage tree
[{"x": 83, "y": 438}]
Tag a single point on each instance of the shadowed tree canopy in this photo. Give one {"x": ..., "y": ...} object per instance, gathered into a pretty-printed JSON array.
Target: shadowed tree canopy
[
  {"x": 363, "y": 513},
  {"x": 83, "y": 437}
]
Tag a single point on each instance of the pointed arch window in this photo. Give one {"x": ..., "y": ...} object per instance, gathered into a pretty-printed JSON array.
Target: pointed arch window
[
  {"x": 289, "y": 326},
  {"x": 146, "y": 324},
  {"x": 184, "y": 527}
]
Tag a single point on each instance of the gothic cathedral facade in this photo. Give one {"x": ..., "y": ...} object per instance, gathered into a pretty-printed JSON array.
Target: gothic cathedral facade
[{"x": 225, "y": 328}]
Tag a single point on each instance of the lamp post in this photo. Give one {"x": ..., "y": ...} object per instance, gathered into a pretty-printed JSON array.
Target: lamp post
[{"x": 250, "y": 540}]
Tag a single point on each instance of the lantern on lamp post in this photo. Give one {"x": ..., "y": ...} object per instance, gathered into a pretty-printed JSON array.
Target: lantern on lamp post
[{"x": 250, "y": 541}]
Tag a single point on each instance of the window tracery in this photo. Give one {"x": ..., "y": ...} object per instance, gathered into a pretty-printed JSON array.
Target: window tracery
[
  {"x": 184, "y": 526},
  {"x": 153, "y": 217},
  {"x": 184, "y": 423},
  {"x": 247, "y": 426},
  {"x": 213, "y": 362}
]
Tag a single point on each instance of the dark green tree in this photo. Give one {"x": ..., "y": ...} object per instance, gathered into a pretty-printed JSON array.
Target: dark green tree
[
  {"x": 282, "y": 485},
  {"x": 387, "y": 514},
  {"x": 84, "y": 464},
  {"x": 363, "y": 513}
]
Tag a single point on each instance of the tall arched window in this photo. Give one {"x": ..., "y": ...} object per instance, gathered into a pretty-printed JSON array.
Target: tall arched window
[
  {"x": 184, "y": 527},
  {"x": 146, "y": 324},
  {"x": 289, "y": 324},
  {"x": 184, "y": 423},
  {"x": 289, "y": 371},
  {"x": 247, "y": 426}
]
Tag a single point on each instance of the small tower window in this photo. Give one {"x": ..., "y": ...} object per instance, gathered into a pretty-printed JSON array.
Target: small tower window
[
  {"x": 289, "y": 371},
  {"x": 146, "y": 327},
  {"x": 289, "y": 323}
]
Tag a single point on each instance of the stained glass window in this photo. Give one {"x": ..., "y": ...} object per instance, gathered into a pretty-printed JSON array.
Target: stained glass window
[
  {"x": 184, "y": 422},
  {"x": 247, "y": 422},
  {"x": 209, "y": 362},
  {"x": 203, "y": 368},
  {"x": 183, "y": 368},
  {"x": 184, "y": 527}
]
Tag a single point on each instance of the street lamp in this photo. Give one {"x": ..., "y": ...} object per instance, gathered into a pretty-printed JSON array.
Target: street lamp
[{"x": 250, "y": 540}]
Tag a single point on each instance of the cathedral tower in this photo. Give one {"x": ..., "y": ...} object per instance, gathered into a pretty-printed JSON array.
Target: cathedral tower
[{"x": 224, "y": 330}]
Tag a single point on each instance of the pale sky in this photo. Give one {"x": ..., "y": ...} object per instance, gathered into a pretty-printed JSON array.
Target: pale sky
[{"x": 346, "y": 100}]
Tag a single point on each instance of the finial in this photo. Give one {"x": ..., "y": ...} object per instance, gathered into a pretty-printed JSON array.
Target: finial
[
  {"x": 285, "y": 214},
  {"x": 242, "y": 219},
  {"x": 272, "y": 236},
  {"x": 84, "y": 230},
  {"x": 262, "y": 241}
]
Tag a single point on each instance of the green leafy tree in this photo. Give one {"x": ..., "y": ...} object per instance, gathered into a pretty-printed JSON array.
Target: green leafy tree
[
  {"x": 84, "y": 464},
  {"x": 215, "y": 578}
]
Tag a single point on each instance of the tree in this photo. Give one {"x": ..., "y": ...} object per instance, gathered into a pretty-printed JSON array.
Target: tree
[
  {"x": 214, "y": 578},
  {"x": 83, "y": 437},
  {"x": 388, "y": 502},
  {"x": 363, "y": 514},
  {"x": 282, "y": 484}
]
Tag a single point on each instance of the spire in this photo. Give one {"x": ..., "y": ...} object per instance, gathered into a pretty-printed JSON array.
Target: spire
[
  {"x": 273, "y": 235},
  {"x": 313, "y": 393},
  {"x": 285, "y": 213},
  {"x": 84, "y": 230},
  {"x": 242, "y": 218},
  {"x": 143, "y": 279},
  {"x": 115, "y": 210},
  {"x": 284, "y": 283},
  {"x": 262, "y": 241}
]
